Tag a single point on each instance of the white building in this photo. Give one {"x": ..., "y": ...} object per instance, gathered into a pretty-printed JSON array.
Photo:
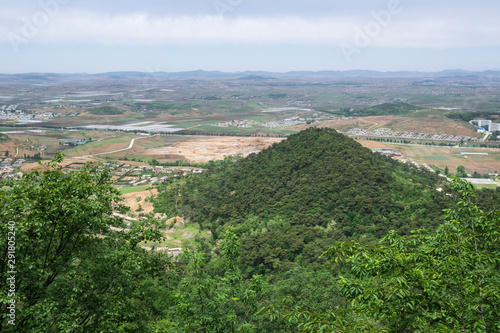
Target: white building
[{"x": 487, "y": 124}]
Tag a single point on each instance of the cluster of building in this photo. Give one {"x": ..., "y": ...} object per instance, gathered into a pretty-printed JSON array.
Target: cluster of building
[
  {"x": 72, "y": 142},
  {"x": 486, "y": 125},
  {"x": 6, "y": 108},
  {"x": 388, "y": 133},
  {"x": 7, "y": 168},
  {"x": 237, "y": 123},
  {"x": 7, "y": 112},
  {"x": 130, "y": 175},
  {"x": 285, "y": 122},
  {"x": 298, "y": 120},
  {"x": 387, "y": 151}
]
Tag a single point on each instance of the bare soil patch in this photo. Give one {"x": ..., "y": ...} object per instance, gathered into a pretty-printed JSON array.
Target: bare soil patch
[
  {"x": 372, "y": 144},
  {"x": 131, "y": 200},
  {"x": 66, "y": 162},
  {"x": 203, "y": 149}
]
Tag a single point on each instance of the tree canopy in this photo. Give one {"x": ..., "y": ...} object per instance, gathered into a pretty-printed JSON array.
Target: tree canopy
[
  {"x": 442, "y": 281},
  {"x": 72, "y": 272}
]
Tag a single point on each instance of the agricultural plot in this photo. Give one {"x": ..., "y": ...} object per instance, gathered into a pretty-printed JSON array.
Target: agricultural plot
[
  {"x": 449, "y": 157},
  {"x": 428, "y": 124},
  {"x": 29, "y": 143}
]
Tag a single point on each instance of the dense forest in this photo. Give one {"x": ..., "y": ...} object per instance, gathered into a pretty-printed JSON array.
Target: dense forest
[
  {"x": 316, "y": 184},
  {"x": 393, "y": 108},
  {"x": 468, "y": 116},
  {"x": 106, "y": 110},
  {"x": 314, "y": 234}
]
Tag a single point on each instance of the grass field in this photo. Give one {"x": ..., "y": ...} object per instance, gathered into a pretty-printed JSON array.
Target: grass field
[
  {"x": 490, "y": 186},
  {"x": 443, "y": 157},
  {"x": 437, "y": 158},
  {"x": 133, "y": 189},
  {"x": 120, "y": 141},
  {"x": 178, "y": 236}
]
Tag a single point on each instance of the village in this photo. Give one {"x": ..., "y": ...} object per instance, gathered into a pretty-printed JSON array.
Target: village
[
  {"x": 123, "y": 174},
  {"x": 388, "y": 133}
]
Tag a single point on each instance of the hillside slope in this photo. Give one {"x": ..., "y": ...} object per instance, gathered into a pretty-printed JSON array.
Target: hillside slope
[{"x": 317, "y": 177}]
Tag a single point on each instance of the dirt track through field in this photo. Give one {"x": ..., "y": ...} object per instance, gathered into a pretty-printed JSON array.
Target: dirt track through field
[{"x": 131, "y": 144}]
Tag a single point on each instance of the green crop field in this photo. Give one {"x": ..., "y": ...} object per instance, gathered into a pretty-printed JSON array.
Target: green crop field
[
  {"x": 437, "y": 158},
  {"x": 133, "y": 189},
  {"x": 491, "y": 186}
]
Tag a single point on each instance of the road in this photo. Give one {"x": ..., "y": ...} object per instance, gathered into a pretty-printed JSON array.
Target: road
[{"x": 131, "y": 144}]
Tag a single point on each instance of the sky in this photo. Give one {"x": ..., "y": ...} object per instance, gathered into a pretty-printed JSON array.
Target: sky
[{"x": 95, "y": 36}]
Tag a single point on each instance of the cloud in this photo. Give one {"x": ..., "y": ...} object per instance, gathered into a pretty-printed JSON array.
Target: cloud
[{"x": 404, "y": 29}]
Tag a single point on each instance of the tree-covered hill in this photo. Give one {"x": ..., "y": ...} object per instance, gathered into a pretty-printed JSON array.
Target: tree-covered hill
[
  {"x": 390, "y": 109},
  {"x": 316, "y": 178}
]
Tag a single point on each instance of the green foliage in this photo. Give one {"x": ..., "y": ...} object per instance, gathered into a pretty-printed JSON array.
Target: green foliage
[
  {"x": 166, "y": 106},
  {"x": 309, "y": 179},
  {"x": 461, "y": 173},
  {"x": 468, "y": 116},
  {"x": 205, "y": 302},
  {"x": 447, "y": 281},
  {"x": 106, "y": 110},
  {"x": 4, "y": 138},
  {"x": 277, "y": 95},
  {"x": 73, "y": 273},
  {"x": 393, "y": 108}
]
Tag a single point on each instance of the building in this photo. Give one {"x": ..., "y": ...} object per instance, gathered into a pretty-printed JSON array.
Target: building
[
  {"x": 73, "y": 142},
  {"x": 480, "y": 180},
  {"x": 465, "y": 153},
  {"x": 387, "y": 151},
  {"x": 486, "y": 124}
]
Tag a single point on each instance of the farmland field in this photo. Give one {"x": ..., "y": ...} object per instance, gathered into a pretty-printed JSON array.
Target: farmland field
[
  {"x": 428, "y": 124},
  {"x": 134, "y": 189},
  {"x": 443, "y": 157},
  {"x": 228, "y": 105}
]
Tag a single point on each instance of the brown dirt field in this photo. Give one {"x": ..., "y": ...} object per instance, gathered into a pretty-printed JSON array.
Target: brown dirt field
[
  {"x": 67, "y": 161},
  {"x": 21, "y": 143},
  {"x": 431, "y": 124},
  {"x": 372, "y": 144},
  {"x": 203, "y": 149},
  {"x": 130, "y": 200}
]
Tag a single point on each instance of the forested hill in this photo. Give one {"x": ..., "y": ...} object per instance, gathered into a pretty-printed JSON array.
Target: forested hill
[{"x": 316, "y": 178}]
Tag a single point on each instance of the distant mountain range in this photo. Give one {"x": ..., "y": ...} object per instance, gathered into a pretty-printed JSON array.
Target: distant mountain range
[{"x": 248, "y": 75}]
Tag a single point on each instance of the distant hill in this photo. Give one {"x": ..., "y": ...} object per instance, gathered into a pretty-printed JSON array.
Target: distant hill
[
  {"x": 256, "y": 77},
  {"x": 253, "y": 75},
  {"x": 289, "y": 202},
  {"x": 393, "y": 108},
  {"x": 389, "y": 109},
  {"x": 312, "y": 178},
  {"x": 106, "y": 110}
]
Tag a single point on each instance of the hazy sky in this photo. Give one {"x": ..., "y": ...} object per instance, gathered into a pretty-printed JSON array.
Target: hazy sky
[{"x": 236, "y": 35}]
